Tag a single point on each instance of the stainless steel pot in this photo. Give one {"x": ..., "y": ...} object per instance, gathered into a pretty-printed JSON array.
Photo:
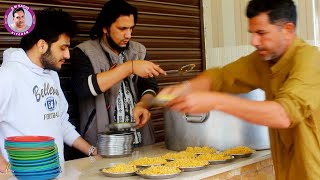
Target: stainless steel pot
[{"x": 215, "y": 129}]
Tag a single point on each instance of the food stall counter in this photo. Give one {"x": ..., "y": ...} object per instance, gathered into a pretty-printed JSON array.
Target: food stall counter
[{"x": 89, "y": 168}]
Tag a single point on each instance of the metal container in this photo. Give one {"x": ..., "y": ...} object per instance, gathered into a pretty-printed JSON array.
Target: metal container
[
  {"x": 215, "y": 129},
  {"x": 115, "y": 144}
]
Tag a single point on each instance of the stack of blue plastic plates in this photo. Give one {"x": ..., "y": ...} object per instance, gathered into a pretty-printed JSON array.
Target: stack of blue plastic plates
[{"x": 33, "y": 157}]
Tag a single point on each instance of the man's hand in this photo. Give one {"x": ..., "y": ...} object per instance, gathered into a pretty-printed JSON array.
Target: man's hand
[
  {"x": 181, "y": 89},
  {"x": 4, "y": 166},
  {"x": 83, "y": 146},
  {"x": 146, "y": 69},
  {"x": 198, "y": 102},
  {"x": 141, "y": 115}
]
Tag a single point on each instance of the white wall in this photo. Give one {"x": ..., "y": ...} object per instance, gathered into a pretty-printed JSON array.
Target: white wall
[{"x": 225, "y": 28}]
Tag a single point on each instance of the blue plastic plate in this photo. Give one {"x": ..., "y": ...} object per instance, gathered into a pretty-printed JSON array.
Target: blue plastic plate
[
  {"x": 37, "y": 177},
  {"x": 35, "y": 169},
  {"x": 31, "y": 173},
  {"x": 35, "y": 164},
  {"x": 33, "y": 161}
]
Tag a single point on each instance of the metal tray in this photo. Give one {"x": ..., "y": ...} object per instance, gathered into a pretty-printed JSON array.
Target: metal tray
[
  {"x": 116, "y": 156},
  {"x": 242, "y": 155},
  {"x": 158, "y": 176},
  {"x": 148, "y": 165},
  {"x": 213, "y": 162},
  {"x": 190, "y": 169},
  {"x": 117, "y": 174}
]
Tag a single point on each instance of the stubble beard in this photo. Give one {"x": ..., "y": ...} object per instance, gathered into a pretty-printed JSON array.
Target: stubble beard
[
  {"x": 47, "y": 61},
  {"x": 114, "y": 45}
]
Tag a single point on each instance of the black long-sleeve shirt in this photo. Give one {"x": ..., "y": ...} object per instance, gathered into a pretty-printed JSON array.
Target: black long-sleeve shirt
[{"x": 82, "y": 69}]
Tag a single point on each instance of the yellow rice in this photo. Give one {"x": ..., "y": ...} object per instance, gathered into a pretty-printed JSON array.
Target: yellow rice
[
  {"x": 187, "y": 163},
  {"x": 120, "y": 168},
  {"x": 179, "y": 155},
  {"x": 147, "y": 161},
  {"x": 160, "y": 170},
  {"x": 201, "y": 150},
  {"x": 214, "y": 157},
  {"x": 165, "y": 97},
  {"x": 238, "y": 150}
]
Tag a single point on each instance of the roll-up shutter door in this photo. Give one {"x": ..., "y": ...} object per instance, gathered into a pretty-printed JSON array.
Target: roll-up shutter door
[{"x": 171, "y": 31}]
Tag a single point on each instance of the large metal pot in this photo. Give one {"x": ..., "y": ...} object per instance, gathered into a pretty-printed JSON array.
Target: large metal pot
[{"x": 215, "y": 129}]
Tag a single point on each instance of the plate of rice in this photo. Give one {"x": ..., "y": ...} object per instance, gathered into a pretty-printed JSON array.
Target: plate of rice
[
  {"x": 159, "y": 172},
  {"x": 148, "y": 161},
  {"x": 239, "y": 151},
  {"x": 119, "y": 170},
  {"x": 201, "y": 150},
  {"x": 188, "y": 165},
  {"x": 217, "y": 158}
]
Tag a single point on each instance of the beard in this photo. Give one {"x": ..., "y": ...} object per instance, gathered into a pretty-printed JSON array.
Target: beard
[
  {"x": 269, "y": 58},
  {"x": 48, "y": 62},
  {"x": 114, "y": 45}
]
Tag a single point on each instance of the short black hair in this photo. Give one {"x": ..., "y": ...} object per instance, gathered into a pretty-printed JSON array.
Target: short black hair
[
  {"x": 50, "y": 24},
  {"x": 110, "y": 13},
  {"x": 16, "y": 10},
  {"x": 278, "y": 10}
]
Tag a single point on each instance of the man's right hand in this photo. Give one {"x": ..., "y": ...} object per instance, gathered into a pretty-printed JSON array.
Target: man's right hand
[
  {"x": 176, "y": 90},
  {"x": 146, "y": 69},
  {"x": 4, "y": 166}
]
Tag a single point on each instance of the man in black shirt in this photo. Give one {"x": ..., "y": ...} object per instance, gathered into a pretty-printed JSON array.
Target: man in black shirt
[{"x": 111, "y": 78}]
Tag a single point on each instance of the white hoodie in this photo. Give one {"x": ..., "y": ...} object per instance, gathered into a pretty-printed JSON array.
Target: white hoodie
[{"x": 32, "y": 102}]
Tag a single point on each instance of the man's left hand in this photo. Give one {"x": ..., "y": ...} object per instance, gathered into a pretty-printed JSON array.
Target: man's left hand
[{"x": 141, "y": 115}]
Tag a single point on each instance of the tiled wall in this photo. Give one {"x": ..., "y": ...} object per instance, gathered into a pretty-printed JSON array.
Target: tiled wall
[
  {"x": 258, "y": 171},
  {"x": 221, "y": 56},
  {"x": 226, "y": 28}
]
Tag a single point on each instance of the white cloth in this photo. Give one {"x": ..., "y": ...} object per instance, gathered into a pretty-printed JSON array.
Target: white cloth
[
  {"x": 32, "y": 102},
  {"x": 125, "y": 105}
]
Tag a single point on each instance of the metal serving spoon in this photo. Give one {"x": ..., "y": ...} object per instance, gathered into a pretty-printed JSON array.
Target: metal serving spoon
[
  {"x": 159, "y": 101},
  {"x": 183, "y": 69}
]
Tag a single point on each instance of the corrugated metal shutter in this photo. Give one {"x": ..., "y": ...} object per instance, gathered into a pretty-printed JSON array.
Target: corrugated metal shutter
[{"x": 171, "y": 31}]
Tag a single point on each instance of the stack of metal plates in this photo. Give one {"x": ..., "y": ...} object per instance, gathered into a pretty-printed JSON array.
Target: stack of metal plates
[{"x": 115, "y": 144}]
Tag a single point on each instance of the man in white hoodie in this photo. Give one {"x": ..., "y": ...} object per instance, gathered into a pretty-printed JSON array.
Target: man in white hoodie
[{"x": 31, "y": 99}]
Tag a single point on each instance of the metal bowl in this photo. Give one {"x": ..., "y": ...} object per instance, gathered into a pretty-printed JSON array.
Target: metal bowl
[
  {"x": 242, "y": 155},
  {"x": 214, "y": 162},
  {"x": 116, "y": 156},
  {"x": 190, "y": 169},
  {"x": 158, "y": 176},
  {"x": 126, "y": 174},
  {"x": 148, "y": 165},
  {"x": 161, "y": 100}
]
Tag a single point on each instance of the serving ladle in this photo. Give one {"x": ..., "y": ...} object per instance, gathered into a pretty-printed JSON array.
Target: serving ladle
[
  {"x": 183, "y": 69},
  {"x": 159, "y": 101},
  {"x": 127, "y": 126}
]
